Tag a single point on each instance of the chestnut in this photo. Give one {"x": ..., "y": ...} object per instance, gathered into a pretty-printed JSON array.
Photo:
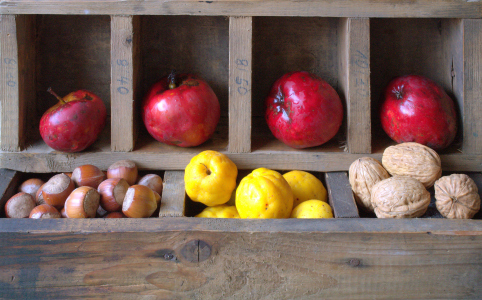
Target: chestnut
[
  {"x": 140, "y": 202},
  {"x": 56, "y": 190},
  {"x": 44, "y": 211},
  {"x": 62, "y": 213},
  {"x": 112, "y": 192},
  {"x": 31, "y": 186},
  {"x": 115, "y": 214},
  {"x": 152, "y": 181},
  {"x": 83, "y": 202},
  {"x": 126, "y": 169},
  {"x": 19, "y": 205},
  {"x": 39, "y": 198},
  {"x": 88, "y": 175}
]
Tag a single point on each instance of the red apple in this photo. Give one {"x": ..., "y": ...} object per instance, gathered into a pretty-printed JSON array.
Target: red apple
[
  {"x": 416, "y": 109},
  {"x": 181, "y": 110},
  {"x": 302, "y": 110},
  {"x": 74, "y": 123}
]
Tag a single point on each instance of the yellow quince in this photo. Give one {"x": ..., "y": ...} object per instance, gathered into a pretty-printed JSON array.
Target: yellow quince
[
  {"x": 264, "y": 194},
  {"x": 220, "y": 211},
  {"x": 210, "y": 178},
  {"x": 305, "y": 186}
]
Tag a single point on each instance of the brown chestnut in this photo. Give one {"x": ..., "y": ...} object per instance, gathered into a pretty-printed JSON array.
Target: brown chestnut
[
  {"x": 31, "y": 186},
  {"x": 83, "y": 202},
  {"x": 19, "y": 205},
  {"x": 140, "y": 202},
  {"x": 115, "y": 214},
  {"x": 112, "y": 192},
  {"x": 56, "y": 190},
  {"x": 152, "y": 181},
  {"x": 39, "y": 198},
  {"x": 44, "y": 211},
  {"x": 87, "y": 175},
  {"x": 126, "y": 169}
]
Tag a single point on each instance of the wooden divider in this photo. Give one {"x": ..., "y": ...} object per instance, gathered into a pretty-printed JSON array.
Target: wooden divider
[
  {"x": 240, "y": 70},
  {"x": 173, "y": 202},
  {"x": 340, "y": 195},
  {"x": 125, "y": 34},
  {"x": 354, "y": 64},
  {"x": 472, "y": 86},
  {"x": 17, "y": 78}
]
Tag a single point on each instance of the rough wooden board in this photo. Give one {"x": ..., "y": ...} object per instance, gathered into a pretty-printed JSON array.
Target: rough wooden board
[
  {"x": 354, "y": 79},
  {"x": 341, "y": 8},
  {"x": 173, "y": 200},
  {"x": 340, "y": 195},
  {"x": 240, "y": 81},
  {"x": 51, "y": 161},
  {"x": 9, "y": 182},
  {"x": 472, "y": 121},
  {"x": 157, "y": 260},
  {"x": 123, "y": 82},
  {"x": 10, "y": 101}
]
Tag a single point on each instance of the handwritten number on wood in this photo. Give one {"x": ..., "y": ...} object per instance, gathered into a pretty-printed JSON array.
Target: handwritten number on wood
[
  {"x": 123, "y": 80},
  {"x": 243, "y": 84}
]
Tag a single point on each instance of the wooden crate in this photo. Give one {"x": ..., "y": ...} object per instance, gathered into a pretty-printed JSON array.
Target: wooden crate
[{"x": 119, "y": 48}]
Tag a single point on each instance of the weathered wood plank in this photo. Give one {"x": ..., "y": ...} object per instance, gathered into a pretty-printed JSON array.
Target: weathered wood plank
[
  {"x": 51, "y": 161},
  {"x": 472, "y": 110},
  {"x": 17, "y": 78},
  {"x": 340, "y": 195},
  {"x": 124, "y": 44},
  {"x": 240, "y": 80},
  {"x": 276, "y": 264},
  {"x": 354, "y": 78},
  {"x": 173, "y": 202},
  {"x": 342, "y": 8},
  {"x": 9, "y": 182}
]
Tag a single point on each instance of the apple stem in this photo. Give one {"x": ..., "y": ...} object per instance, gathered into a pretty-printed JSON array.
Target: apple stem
[
  {"x": 55, "y": 95},
  {"x": 172, "y": 80}
]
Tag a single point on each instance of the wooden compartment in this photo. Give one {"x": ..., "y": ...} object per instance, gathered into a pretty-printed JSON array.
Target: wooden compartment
[{"x": 121, "y": 47}]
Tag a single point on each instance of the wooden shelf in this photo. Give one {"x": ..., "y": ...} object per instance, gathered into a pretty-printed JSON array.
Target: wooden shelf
[
  {"x": 342, "y": 8},
  {"x": 118, "y": 48}
]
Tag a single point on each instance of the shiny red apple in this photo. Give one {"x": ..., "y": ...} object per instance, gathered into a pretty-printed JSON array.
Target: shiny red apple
[
  {"x": 74, "y": 123},
  {"x": 303, "y": 110},
  {"x": 416, "y": 109},
  {"x": 181, "y": 110}
]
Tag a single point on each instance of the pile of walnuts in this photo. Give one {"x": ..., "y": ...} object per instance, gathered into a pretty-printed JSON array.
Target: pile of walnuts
[{"x": 397, "y": 187}]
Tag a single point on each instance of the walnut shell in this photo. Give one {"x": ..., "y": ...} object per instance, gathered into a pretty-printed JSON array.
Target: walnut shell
[
  {"x": 364, "y": 173},
  {"x": 400, "y": 197},
  {"x": 457, "y": 196},
  {"x": 413, "y": 160}
]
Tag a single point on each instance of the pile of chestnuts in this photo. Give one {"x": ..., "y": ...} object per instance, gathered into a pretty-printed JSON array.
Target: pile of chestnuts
[{"x": 89, "y": 192}]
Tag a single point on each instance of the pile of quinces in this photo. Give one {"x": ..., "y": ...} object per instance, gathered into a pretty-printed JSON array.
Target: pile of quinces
[{"x": 210, "y": 178}]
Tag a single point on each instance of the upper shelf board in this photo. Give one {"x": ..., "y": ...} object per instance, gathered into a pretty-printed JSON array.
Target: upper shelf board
[{"x": 323, "y": 8}]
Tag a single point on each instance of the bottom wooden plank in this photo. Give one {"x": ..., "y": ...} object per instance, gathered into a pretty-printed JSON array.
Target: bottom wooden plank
[{"x": 197, "y": 259}]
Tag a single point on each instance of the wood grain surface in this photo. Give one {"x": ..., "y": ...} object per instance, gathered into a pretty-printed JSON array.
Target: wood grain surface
[
  {"x": 341, "y": 8},
  {"x": 125, "y": 62},
  {"x": 354, "y": 82},
  {"x": 188, "y": 258},
  {"x": 240, "y": 83}
]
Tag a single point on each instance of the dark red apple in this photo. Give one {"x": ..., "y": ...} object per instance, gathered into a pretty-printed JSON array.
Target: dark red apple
[
  {"x": 416, "y": 109},
  {"x": 74, "y": 123},
  {"x": 302, "y": 110},
  {"x": 181, "y": 110}
]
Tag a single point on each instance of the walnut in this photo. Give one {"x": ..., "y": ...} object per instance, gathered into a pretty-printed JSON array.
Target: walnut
[
  {"x": 364, "y": 173},
  {"x": 413, "y": 160},
  {"x": 457, "y": 196},
  {"x": 400, "y": 197}
]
